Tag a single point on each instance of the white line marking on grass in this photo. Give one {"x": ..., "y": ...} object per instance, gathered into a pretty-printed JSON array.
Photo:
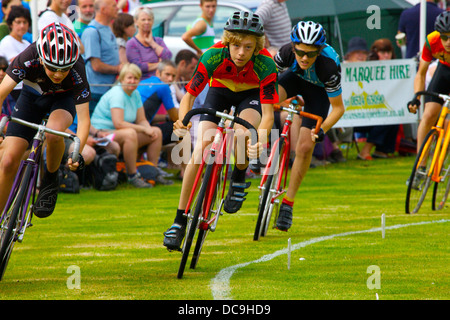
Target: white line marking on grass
[{"x": 220, "y": 284}]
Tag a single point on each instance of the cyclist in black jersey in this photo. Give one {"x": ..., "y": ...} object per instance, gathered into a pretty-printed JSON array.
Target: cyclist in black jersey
[
  {"x": 54, "y": 84},
  {"x": 310, "y": 68}
]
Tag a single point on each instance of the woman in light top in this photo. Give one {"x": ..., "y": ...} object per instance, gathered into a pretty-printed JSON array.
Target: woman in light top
[{"x": 120, "y": 112}]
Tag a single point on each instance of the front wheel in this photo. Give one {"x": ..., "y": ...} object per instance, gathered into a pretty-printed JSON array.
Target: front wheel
[
  {"x": 420, "y": 178},
  {"x": 193, "y": 220},
  {"x": 10, "y": 221}
]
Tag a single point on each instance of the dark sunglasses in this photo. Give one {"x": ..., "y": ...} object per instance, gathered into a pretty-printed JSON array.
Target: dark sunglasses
[
  {"x": 52, "y": 69},
  {"x": 309, "y": 54},
  {"x": 3, "y": 68},
  {"x": 444, "y": 37}
]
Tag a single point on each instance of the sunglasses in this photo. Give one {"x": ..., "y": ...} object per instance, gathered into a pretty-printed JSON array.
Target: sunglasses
[
  {"x": 3, "y": 68},
  {"x": 52, "y": 69},
  {"x": 309, "y": 54},
  {"x": 444, "y": 37}
]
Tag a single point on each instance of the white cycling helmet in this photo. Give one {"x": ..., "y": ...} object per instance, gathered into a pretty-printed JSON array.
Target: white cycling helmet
[
  {"x": 308, "y": 32},
  {"x": 58, "y": 46}
]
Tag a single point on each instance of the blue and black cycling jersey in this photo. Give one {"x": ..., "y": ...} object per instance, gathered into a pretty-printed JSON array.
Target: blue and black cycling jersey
[{"x": 325, "y": 72}]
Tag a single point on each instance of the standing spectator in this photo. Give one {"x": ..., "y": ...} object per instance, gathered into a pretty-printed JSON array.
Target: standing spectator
[
  {"x": 86, "y": 13},
  {"x": 381, "y": 137},
  {"x": 123, "y": 28},
  {"x": 56, "y": 12},
  {"x": 120, "y": 111},
  {"x": 276, "y": 20},
  {"x": 409, "y": 24},
  {"x": 12, "y": 45},
  {"x": 102, "y": 53},
  {"x": 144, "y": 49},
  {"x": 200, "y": 36}
]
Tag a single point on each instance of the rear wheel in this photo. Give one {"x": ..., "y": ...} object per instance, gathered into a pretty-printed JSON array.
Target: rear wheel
[
  {"x": 420, "y": 178},
  {"x": 442, "y": 188},
  {"x": 266, "y": 204}
]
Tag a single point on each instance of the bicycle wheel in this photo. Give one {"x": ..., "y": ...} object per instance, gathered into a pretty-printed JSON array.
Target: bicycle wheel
[
  {"x": 214, "y": 209},
  {"x": 10, "y": 221},
  {"x": 420, "y": 178},
  {"x": 193, "y": 221},
  {"x": 266, "y": 204},
  {"x": 442, "y": 188}
]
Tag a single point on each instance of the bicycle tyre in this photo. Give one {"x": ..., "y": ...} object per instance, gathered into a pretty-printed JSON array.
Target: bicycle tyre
[
  {"x": 12, "y": 220},
  {"x": 420, "y": 181},
  {"x": 442, "y": 188},
  {"x": 215, "y": 206},
  {"x": 193, "y": 225},
  {"x": 265, "y": 206}
]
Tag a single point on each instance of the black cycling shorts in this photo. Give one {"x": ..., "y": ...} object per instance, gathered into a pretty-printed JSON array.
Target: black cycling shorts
[
  {"x": 221, "y": 99},
  {"x": 440, "y": 83},
  {"x": 315, "y": 97},
  {"x": 33, "y": 108}
]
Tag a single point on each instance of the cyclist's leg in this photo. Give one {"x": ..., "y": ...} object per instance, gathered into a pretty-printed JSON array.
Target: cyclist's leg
[
  {"x": 173, "y": 237},
  {"x": 249, "y": 109},
  {"x": 429, "y": 118},
  {"x": 13, "y": 149}
]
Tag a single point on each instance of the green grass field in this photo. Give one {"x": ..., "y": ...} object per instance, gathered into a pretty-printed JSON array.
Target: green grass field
[{"x": 114, "y": 240}]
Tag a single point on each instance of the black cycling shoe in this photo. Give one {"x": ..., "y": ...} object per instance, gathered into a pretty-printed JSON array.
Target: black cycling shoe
[
  {"x": 48, "y": 194},
  {"x": 235, "y": 196},
  {"x": 173, "y": 237},
  {"x": 284, "y": 221}
]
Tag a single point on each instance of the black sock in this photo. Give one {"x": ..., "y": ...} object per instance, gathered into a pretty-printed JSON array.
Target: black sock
[
  {"x": 238, "y": 175},
  {"x": 51, "y": 176},
  {"x": 180, "y": 218}
]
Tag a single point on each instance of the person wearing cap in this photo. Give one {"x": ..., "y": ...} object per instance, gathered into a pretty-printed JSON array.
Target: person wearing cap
[
  {"x": 231, "y": 67},
  {"x": 357, "y": 50}
]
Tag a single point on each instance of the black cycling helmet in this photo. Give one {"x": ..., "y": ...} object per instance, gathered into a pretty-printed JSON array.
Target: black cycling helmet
[
  {"x": 442, "y": 23},
  {"x": 246, "y": 22}
]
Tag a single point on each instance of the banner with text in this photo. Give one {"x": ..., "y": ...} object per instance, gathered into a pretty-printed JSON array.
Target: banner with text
[{"x": 376, "y": 92}]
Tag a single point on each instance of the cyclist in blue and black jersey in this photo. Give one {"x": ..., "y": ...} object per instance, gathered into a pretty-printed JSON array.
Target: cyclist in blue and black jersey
[{"x": 310, "y": 68}]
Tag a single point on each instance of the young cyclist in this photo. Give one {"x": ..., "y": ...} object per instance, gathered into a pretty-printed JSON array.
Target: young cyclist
[
  {"x": 240, "y": 73},
  {"x": 437, "y": 46},
  {"x": 54, "y": 83},
  {"x": 311, "y": 69}
]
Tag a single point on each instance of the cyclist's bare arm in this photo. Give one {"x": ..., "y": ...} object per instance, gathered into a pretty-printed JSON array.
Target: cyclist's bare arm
[
  {"x": 6, "y": 86},
  {"x": 185, "y": 106},
  {"x": 337, "y": 110},
  {"x": 419, "y": 81},
  {"x": 197, "y": 29}
]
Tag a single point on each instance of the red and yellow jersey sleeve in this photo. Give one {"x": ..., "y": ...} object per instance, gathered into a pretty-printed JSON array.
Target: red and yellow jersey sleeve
[{"x": 433, "y": 49}]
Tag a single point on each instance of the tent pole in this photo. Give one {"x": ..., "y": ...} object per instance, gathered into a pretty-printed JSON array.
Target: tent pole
[{"x": 338, "y": 29}]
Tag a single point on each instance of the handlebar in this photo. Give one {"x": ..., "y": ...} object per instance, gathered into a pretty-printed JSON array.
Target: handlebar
[
  {"x": 291, "y": 108},
  {"x": 193, "y": 112},
  {"x": 43, "y": 128},
  {"x": 433, "y": 94}
]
